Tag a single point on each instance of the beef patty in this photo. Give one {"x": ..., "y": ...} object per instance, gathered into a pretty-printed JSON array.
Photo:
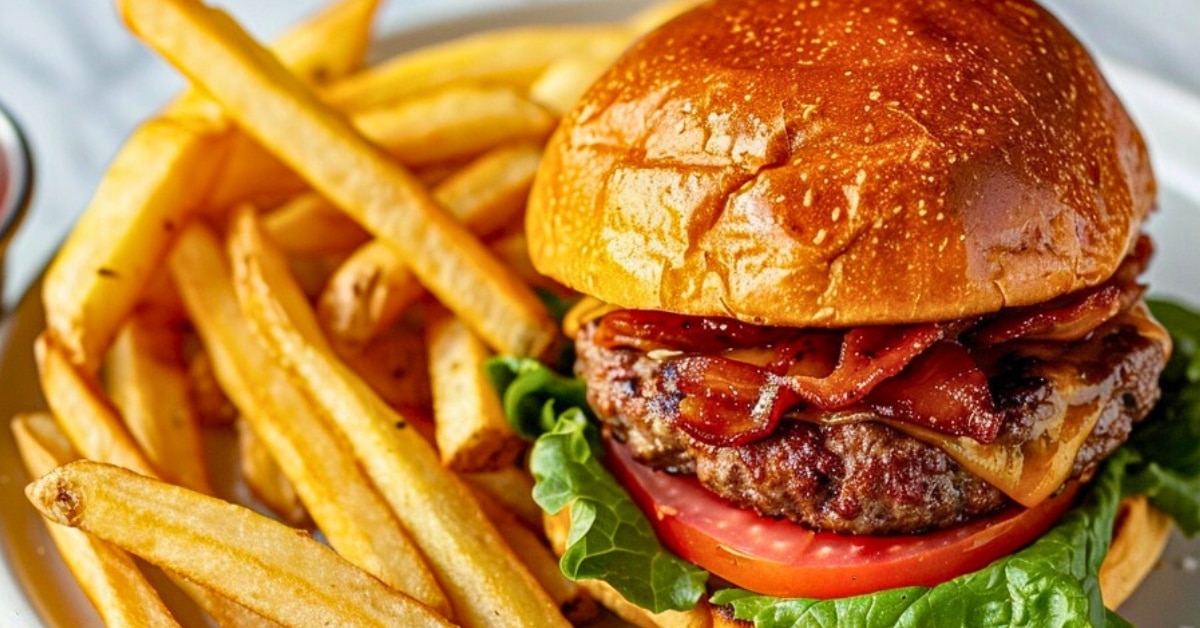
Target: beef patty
[{"x": 862, "y": 476}]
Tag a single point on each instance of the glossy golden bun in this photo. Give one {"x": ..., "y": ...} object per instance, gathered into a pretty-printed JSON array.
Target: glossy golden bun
[
  {"x": 1139, "y": 537},
  {"x": 842, "y": 163}
]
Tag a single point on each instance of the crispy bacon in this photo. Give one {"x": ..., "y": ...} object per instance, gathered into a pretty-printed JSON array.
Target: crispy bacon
[
  {"x": 943, "y": 390},
  {"x": 735, "y": 381}
]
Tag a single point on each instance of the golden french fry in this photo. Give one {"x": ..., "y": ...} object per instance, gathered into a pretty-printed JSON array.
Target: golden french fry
[
  {"x": 266, "y": 481},
  {"x": 394, "y": 365},
  {"x": 310, "y": 224},
  {"x": 342, "y": 502},
  {"x": 512, "y": 488},
  {"x": 273, "y": 569},
  {"x": 575, "y": 603},
  {"x": 83, "y": 411},
  {"x": 211, "y": 404},
  {"x": 453, "y": 123},
  {"x": 109, "y": 578},
  {"x": 96, "y": 432},
  {"x": 370, "y": 291},
  {"x": 326, "y": 47},
  {"x": 331, "y": 44},
  {"x": 658, "y": 14},
  {"x": 559, "y": 87},
  {"x": 150, "y": 188},
  {"x": 482, "y": 577},
  {"x": 367, "y": 294},
  {"x": 156, "y": 180},
  {"x": 283, "y": 114},
  {"x": 511, "y": 57},
  {"x": 472, "y": 433},
  {"x": 148, "y": 383},
  {"x": 488, "y": 194}
]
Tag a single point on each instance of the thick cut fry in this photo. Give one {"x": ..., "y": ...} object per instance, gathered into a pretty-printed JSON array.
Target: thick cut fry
[
  {"x": 453, "y": 124},
  {"x": 577, "y": 606},
  {"x": 658, "y": 14},
  {"x": 310, "y": 224},
  {"x": 561, "y": 85},
  {"x": 269, "y": 484},
  {"x": 275, "y": 570},
  {"x": 109, "y": 578},
  {"x": 331, "y": 44},
  {"x": 482, "y": 577},
  {"x": 367, "y": 294},
  {"x": 512, "y": 488},
  {"x": 147, "y": 381},
  {"x": 153, "y": 184},
  {"x": 85, "y": 414},
  {"x": 488, "y": 194},
  {"x": 395, "y": 366},
  {"x": 326, "y": 47},
  {"x": 212, "y": 406},
  {"x": 285, "y": 116},
  {"x": 357, "y": 522},
  {"x": 370, "y": 291},
  {"x": 472, "y": 433},
  {"x": 512, "y": 57},
  {"x": 96, "y": 432}
]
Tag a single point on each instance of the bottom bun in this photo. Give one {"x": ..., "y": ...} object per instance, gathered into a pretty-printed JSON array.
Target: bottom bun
[{"x": 1139, "y": 537}]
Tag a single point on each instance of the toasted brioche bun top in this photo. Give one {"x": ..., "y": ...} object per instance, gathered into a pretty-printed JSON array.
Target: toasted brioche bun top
[{"x": 843, "y": 162}]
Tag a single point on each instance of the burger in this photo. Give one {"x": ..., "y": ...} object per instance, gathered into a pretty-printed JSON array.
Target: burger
[{"x": 862, "y": 318}]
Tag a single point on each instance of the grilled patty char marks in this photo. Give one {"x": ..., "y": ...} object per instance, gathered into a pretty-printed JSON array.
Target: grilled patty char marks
[{"x": 863, "y": 477}]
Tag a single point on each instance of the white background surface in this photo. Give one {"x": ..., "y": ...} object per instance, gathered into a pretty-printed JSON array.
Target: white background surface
[{"x": 78, "y": 82}]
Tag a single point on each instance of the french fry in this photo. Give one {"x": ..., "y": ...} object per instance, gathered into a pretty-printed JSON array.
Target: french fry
[
  {"x": 395, "y": 366},
  {"x": 488, "y": 194},
  {"x": 148, "y": 383},
  {"x": 266, "y": 481},
  {"x": 326, "y": 47},
  {"x": 559, "y": 87},
  {"x": 509, "y": 57},
  {"x": 339, "y": 498},
  {"x": 154, "y": 183},
  {"x": 310, "y": 224},
  {"x": 472, "y": 433},
  {"x": 512, "y": 488},
  {"x": 109, "y": 578},
  {"x": 96, "y": 432},
  {"x": 84, "y": 412},
  {"x": 482, "y": 578},
  {"x": 148, "y": 192},
  {"x": 658, "y": 14},
  {"x": 370, "y": 291},
  {"x": 453, "y": 123},
  {"x": 283, "y": 114},
  {"x": 268, "y": 567},
  {"x": 331, "y": 44},
  {"x": 367, "y": 294},
  {"x": 212, "y": 406},
  {"x": 575, "y": 603}
]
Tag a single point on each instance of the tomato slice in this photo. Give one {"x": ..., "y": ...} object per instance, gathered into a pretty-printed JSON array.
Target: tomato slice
[{"x": 780, "y": 558}]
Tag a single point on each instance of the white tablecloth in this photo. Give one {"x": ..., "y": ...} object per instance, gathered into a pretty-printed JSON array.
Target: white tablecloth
[{"x": 78, "y": 82}]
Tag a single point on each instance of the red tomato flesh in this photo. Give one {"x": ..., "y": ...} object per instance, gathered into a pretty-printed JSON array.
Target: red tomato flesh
[{"x": 780, "y": 558}]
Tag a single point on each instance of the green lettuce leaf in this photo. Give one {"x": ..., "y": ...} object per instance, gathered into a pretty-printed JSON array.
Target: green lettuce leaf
[{"x": 609, "y": 539}]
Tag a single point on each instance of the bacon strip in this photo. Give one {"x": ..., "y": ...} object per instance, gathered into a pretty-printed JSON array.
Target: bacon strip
[{"x": 735, "y": 381}]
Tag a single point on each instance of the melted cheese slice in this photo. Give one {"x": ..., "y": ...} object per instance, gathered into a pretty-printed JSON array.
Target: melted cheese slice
[{"x": 1032, "y": 471}]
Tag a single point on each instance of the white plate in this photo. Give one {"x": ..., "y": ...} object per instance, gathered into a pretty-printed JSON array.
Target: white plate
[{"x": 36, "y": 590}]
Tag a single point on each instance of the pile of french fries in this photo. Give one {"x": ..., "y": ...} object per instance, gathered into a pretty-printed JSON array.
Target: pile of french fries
[{"x": 317, "y": 256}]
